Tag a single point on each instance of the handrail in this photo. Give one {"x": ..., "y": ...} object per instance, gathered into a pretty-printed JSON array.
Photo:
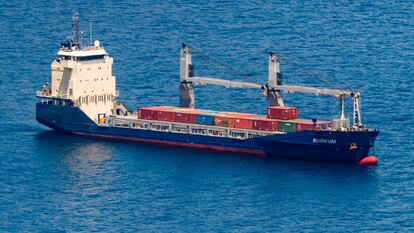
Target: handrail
[
  {"x": 50, "y": 95},
  {"x": 128, "y": 122}
]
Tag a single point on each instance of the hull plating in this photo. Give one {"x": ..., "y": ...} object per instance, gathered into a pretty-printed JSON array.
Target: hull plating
[{"x": 329, "y": 146}]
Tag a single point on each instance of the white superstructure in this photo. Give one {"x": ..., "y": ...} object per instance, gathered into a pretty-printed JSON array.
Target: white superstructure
[{"x": 83, "y": 75}]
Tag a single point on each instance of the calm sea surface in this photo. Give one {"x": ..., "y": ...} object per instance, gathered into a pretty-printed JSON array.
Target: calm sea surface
[{"x": 51, "y": 182}]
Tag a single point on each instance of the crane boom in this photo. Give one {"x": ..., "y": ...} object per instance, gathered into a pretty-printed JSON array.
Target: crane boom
[
  {"x": 223, "y": 82},
  {"x": 271, "y": 90},
  {"x": 313, "y": 90},
  {"x": 286, "y": 88}
]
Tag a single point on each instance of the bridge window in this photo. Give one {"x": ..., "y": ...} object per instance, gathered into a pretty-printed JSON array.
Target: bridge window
[
  {"x": 66, "y": 58},
  {"x": 90, "y": 58}
]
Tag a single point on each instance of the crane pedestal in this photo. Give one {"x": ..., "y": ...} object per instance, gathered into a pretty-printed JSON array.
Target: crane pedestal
[
  {"x": 187, "y": 99},
  {"x": 274, "y": 98}
]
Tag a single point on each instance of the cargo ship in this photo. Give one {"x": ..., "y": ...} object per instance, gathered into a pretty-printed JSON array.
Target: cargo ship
[{"x": 82, "y": 99}]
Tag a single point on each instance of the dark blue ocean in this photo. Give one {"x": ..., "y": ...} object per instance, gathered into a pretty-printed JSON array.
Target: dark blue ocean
[{"x": 50, "y": 182}]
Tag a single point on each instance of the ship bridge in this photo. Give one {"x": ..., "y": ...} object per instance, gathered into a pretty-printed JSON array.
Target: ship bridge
[
  {"x": 94, "y": 52},
  {"x": 81, "y": 75}
]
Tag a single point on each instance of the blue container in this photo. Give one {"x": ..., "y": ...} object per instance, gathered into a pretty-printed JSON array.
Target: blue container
[{"x": 205, "y": 119}]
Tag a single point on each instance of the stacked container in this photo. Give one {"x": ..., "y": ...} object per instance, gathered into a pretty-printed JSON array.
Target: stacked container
[
  {"x": 265, "y": 124},
  {"x": 282, "y": 112},
  {"x": 224, "y": 120},
  {"x": 287, "y": 126},
  {"x": 239, "y": 114},
  {"x": 204, "y": 119},
  {"x": 256, "y": 123},
  {"x": 243, "y": 123},
  {"x": 151, "y": 113},
  {"x": 186, "y": 117},
  {"x": 165, "y": 113},
  {"x": 231, "y": 119}
]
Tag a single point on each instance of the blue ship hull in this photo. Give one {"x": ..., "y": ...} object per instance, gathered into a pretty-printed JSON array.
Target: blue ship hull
[{"x": 330, "y": 146}]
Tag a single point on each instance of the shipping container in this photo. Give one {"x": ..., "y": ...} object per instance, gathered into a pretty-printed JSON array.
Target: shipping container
[
  {"x": 150, "y": 113},
  {"x": 205, "y": 119},
  {"x": 239, "y": 114},
  {"x": 211, "y": 112},
  {"x": 243, "y": 123},
  {"x": 282, "y": 112},
  {"x": 287, "y": 126},
  {"x": 157, "y": 107},
  {"x": 147, "y": 114},
  {"x": 189, "y": 110},
  {"x": 165, "y": 115},
  {"x": 186, "y": 117},
  {"x": 224, "y": 121},
  {"x": 265, "y": 124}
]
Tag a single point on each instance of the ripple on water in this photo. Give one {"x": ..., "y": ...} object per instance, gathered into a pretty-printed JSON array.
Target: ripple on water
[{"x": 54, "y": 182}]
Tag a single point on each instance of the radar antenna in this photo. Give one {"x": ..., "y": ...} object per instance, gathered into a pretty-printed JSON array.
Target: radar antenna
[{"x": 90, "y": 31}]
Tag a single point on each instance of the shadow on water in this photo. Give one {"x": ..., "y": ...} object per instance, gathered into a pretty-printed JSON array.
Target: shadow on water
[{"x": 92, "y": 167}]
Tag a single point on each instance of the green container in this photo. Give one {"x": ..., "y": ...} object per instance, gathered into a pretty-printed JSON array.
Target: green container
[{"x": 286, "y": 126}]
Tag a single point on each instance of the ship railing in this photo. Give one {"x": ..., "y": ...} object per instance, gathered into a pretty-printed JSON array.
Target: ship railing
[
  {"x": 48, "y": 94},
  {"x": 43, "y": 94},
  {"x": 344, "y": 125},
  {"x": 173, "y": 127}
]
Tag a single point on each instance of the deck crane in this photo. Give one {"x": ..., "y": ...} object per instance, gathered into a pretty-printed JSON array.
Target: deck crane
[{"x": 272, "y": 90}]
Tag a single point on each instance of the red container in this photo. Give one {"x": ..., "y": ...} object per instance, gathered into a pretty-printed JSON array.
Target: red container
[
  {"x": 282, "y": 112},
  {"x": 243, "y": 123},
  {"x": 224, "y": 121},
  {"x": 186, "y": 117},
  {"x": 150, "y": 113},
  {"x": 309, "y": 125},
  {"x": 184, "y": 109},
  {"x": 147, "y": 114},
  {"x": 165, "y": 115},
  {"x": 265, "y": 124},
  {"x": 239, "y": 114}
]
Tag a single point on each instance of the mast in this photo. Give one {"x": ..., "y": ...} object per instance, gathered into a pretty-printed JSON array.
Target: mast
[
  {"x": 357, "y": 111},
  {"x": 90, "y": 31},
  {"x": 76, "y": 30}
]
